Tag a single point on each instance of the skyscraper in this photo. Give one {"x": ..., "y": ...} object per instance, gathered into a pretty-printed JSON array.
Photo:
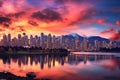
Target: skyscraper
[
  {"x": 62, "y": 42},
  {"x": 49, "y": 41},
  {"x": 9, "y": 40},
  {"x": 19, "y": 42},
  {"x": 85, "y": 44},
  {"x": 42, "y": 44},
  {"x": 37, "y": 41},
  {"x": 77, "y": 43},
  {"x": 54, "y": 42},
  {"x": 4, "y": 40},
  {"x": 31, "y": 41}
]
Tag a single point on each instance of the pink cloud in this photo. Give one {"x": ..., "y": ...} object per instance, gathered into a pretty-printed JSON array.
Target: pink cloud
[
  {"x": 112, "y": 33},
  {"x": 116, "y": 36},
  {"x": 101, "y": 21},
  {"x": 118, "y": 23}
]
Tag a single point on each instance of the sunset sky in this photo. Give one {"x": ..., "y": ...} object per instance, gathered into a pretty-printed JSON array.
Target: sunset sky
[{"x": 59, "y": 17}]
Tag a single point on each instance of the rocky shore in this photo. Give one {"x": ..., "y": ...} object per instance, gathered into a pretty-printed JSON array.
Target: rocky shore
[{"x": 10, "y": 76}]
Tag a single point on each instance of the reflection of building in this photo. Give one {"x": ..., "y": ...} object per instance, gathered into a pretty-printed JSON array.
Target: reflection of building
[
  {"x": 53, "y": 61},
  {"x": 76, "y": 59},
  {"x": 42, "y": 60}
]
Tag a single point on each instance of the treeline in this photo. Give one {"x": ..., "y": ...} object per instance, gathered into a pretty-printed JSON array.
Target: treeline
[
  {"x": 110, "y": 50},
  {"x": 32, "y": 49},
  {"x": 16, "y": 49}
]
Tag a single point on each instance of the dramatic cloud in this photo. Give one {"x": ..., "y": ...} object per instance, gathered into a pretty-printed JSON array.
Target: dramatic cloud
[
  {"x": 85, "y": 17},
  {"x": 118, "y": 23},
  {"x": 21, "y": 28},
  {"x": 2, "y": 30},
  {"x": 33, "y": 23},
  {"x": 108, "y": 31},
  {"x": 4, "y": 20},
  {"x": 16, "y": 15},
  {"x": 75, "y": 1},
  {"x": 100, "y": 21},
  {"x": 47, "y": 15},
  {"x": 116, "y": 36},
  {"x": 1, "y": 3}
]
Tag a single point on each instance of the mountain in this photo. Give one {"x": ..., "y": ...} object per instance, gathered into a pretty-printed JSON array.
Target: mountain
[
  {"x": 91, "y": 39},
  {"x": 73, "y": 36}
]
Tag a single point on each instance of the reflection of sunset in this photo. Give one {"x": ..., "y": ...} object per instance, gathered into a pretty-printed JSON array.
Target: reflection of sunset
[
  {"x": 21, "y": 70},
  {"x": 49, "y": 66},
  {"x": 109, "y": 64}
]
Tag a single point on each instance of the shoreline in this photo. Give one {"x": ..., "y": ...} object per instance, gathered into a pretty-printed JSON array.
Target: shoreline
[
  {"x": 10, "y": 76},
  {"x": 48, "y": 53},
  {"x": 96, "y": 51},
  {"x": 35, "y": 53}
]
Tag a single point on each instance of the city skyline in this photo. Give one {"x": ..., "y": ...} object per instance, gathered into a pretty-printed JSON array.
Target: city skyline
[
  {"x": 71, "y": 42},
  {"x": 59, "y": 39},
  {"x": 61, "y": 17}
]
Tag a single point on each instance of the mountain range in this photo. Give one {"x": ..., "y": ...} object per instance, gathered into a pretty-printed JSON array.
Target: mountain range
[{"x": 91, "y": 38}]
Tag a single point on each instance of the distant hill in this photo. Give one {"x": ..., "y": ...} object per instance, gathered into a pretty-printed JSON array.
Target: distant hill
[{"x": 91, "y": 39}]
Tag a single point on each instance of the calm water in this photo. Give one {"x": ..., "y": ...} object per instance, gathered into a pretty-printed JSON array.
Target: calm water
[{"x": 76, "y": 66}]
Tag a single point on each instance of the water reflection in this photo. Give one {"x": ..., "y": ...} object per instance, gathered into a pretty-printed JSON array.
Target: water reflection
[
  {"x": 76, "y": 59},
  {"x": 50, "y": 60},
  {"x": 31, "y": 59},
  {"x": 75, "y": 64}
]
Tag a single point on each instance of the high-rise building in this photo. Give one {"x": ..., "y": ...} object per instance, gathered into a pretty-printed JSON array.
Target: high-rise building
[
  {"x": 49, "y": 41},
  {"x": 77, "y": 45},
  {"x": 42, "y": 39},
  {"x": 9, "y": 40},
  {"x": 85, "y": 44},
  {"x": 110, "y": 45},
  {"x": 31, "y": 41},
  {"x": 54, "y": 42},
  {"x": 104, "y": 44},
  {"x": 96, "y": 45},
  {"x": 72, "y": 45},
  {"x": 62, "y": 45},
  {"x": 37, "y": 41},
  {"x": 14, "y": 42},
  {"x": 4, "y": 41},
  {"x": 19, "y": 42},
  {"x": 23, "y": 39},
  {"x": 66, "y": 43}
]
